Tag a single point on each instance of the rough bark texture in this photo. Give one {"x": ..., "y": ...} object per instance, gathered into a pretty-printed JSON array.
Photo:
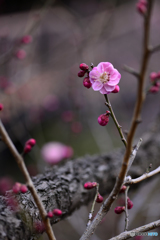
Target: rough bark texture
[{"x": 63, "y": 187}]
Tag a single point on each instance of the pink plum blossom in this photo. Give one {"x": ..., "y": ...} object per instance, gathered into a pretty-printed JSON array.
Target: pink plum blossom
[
  {"x": 104, "y": 77},
  {"x": 27, "y": 39},
  {"x": 21, "y": 54},
  {"x": 54, "y": 152}
]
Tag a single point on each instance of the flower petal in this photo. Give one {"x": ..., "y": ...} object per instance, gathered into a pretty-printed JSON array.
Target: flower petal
[
  {"x": 97, "y": 85},
  {"x": 94, "y": 75},
  {"x": 108, "y": 88},
  {"x": 114, "y": 78},
  {"x": 104, "y": 67},
  {"x": 103, "y": 91}
]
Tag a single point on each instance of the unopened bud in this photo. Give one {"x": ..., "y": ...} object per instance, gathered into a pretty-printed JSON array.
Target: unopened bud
[
  {"x": 116, "y": 90},
  {"x": 87, "y": 83},
  {"x": 27, "y": 148},
  {"x": 103, "y": 119},
  {"x": 81, "y": 73},
  {"x": 153, "y": 76},
  {"x": 119, "y": 209},
  {"x": 1, "y": 106},
  {"x": 90, "y": 185},
  {"x": 31, "y": 142},
  {"x": 50, "y": 214},
  {"x": 84, "y": 66},
  {"x": 99, "y": 198},
  {"x": 154, "y": 89},
  {"x": 57, "y": 212},
  {"x": 129, "y": 203},
  {"x": 23, "y": 189},
  {"x": 141, "y": 8},
  {"x": 123, "y": 189},
  {"x": 16, "y": 187}
]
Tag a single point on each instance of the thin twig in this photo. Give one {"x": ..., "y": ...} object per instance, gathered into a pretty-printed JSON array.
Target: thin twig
[
  {"x": 93, "y": 205},
  {"x": 134, "y": 232},
  {"x": 155, "y": 49},
  {"x": 131, "y": 71},
  {"x": 21, "y": 164},
  {"x": 133, "y": 154},
  {"x": 108, "y": 104},
  {"x": 136, "y": 116},
  {"x": 126, "y": 209},
  {"x": 143, "y": 177}
]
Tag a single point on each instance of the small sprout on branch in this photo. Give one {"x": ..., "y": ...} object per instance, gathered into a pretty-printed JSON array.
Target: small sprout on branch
[
  {"x": 129, "y": 203},
  {"x": 57, "y": 212},
  {"x": 90, "y": 185},
  {"x": 123, "y": 189},
  {"x": 1, "y": 106},
  {"x": 103, "y": 119},
  {"x": 99, "y": 198},
  {"x": 50, "y": 214},
  {"x": 149, "y": 168},
  {"x": 119, "y": 209}
]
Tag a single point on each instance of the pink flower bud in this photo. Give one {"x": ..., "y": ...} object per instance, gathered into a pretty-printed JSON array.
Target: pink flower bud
[
  {"x": 23, "y": 189},
  {"x": 153, "y": 76},
  {"x": 103, "y": 119},
  {"x": 154, "y": 89},
  {"x": 90, "y": 185},
  {"x": 27, "y": 148},
  {"x": 81, "y": 73},
  {"x": 116, "y": 90},
  {"x": 87, "y": 83},
  {"x": 16, "y": 187},
  {"x": 57, "y": 212},
  {"x": 84, "y": 66},
  {"x": 141, "y": 8},
  {"x": 31, "y": 142},
  {"x": 1, "y": 106},
  {"x": 129, "y": 204},
  {"x": 144, "y": 2},
  {"x": 158, "y": 75},
  {"x": 99, "y": 198},
  {"x": 21, "y": 54},
  {"x": 119, "y": 209},
  {"x": 39, "y": 227},
  {"x": 50, "y": 214},
  {"x": 27, "y": 39},
  {"x": 123, "y": 189}
]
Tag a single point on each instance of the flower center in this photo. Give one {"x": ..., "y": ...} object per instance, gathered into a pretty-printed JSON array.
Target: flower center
[{"x": 104, "y": 77}]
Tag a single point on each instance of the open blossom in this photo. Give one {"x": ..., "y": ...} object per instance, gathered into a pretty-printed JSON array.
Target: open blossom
[
  {"x": 104, "y": 77},
  {"x": 54, "y": 152}
]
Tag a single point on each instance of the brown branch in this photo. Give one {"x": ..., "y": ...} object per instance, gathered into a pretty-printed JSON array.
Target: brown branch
[
  {"x": 130, "y": 234},
  {"x": 140, "y": 98},
  {"x": 131, "y": 71},
  {"x": 22, "y": 166}
]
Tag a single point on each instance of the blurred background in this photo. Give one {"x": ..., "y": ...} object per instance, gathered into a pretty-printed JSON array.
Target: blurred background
[{"x": 42, "y": 44}]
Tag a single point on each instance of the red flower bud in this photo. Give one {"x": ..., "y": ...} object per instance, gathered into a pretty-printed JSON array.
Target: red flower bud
[
  {"x": 119, "y": 210},
  {"x": 153, "y": 76},
  {"x": 103, "y": 119},
  {"x": 90, "y": 185},
  {"x": 116, "y": 90},
  {"x": 154, "y": 89},
  {"x": 83, "y": 66},
  {"x": 1, "y": 106},
  {"x": 16, "y": 187},
  {"x": 141, "y": 8},
  {"x": 50, "y": 214},
  {"x": 23, "y": 189},
  {"x": 123, "y": 189},
  {"x": 129, "y": 203},
  {"x": 87, "y": 83},
  {"x": 27, "y": 148},
  {"x": 99, "y": 198},
  {"x": 31, "y": 142},
  {"x": 81, "y": 73},
  {"x": 57, "y": 212}
]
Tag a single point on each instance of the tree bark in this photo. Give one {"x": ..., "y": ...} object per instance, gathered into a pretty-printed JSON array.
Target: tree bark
[{"x": 62, "y": 187}]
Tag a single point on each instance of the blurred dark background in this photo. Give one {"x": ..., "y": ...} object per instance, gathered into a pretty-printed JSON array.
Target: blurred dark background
[{"x": 42, "y": 95}]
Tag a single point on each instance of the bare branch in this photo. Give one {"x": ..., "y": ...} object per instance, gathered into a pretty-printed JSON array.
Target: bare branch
[{"x": 131, "y": 71}]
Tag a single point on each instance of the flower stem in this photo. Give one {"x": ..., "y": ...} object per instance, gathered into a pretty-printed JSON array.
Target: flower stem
[
  {"x": 108, "y": 104},
  {"x": 93, "y": 205}
]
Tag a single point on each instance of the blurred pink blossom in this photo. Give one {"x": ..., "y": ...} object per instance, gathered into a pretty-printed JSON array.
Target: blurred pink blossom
[
  {"x": 6, "y": 184},
  {"x": 54, "y": 152},
  {"x": 104, "y": 77},
  {"x": 27, "y": 39},
  {"x": 21, "y": 54}
]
